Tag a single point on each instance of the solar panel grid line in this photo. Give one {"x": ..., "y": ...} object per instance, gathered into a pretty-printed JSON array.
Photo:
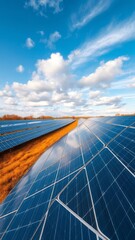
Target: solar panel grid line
[
  {"x": 39, "y": 225},
  {"x": 80, "y": 219},
  {"x": 102, "y": 234},
  {"x": 7, "y": 214}
]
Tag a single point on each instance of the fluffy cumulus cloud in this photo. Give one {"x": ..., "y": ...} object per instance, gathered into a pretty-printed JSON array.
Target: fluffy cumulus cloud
[
  {"x": 20, "y": 69},
  {"x": 41, "y": 5},
  {"x": 29, "y": 43},
  {"x": 50, "y": 84},
  {"x": 54, "y": 89},
  {"x": 104, "y": 74}
]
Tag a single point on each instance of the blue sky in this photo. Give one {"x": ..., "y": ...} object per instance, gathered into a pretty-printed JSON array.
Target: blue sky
[{"x": 62, "y": 57}]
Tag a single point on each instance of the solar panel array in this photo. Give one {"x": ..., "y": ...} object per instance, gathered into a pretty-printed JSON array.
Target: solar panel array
[
  {"x": 14, "y": 133},
  {"x": 83, "y": 187}
]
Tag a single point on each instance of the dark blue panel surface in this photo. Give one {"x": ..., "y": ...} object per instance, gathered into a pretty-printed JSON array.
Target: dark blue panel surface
[
  {"x": 113, "y": 191},
  {"x": 61, "y": 224},
  {"x": 90, "y": 144},
  {"x": 77, "y": 197},
  {"x": 31, "y": 212},
  {"x": 105, "y": 132},
  {"x": 4, "y": 222},
  {"x": 124, "y": 148}
]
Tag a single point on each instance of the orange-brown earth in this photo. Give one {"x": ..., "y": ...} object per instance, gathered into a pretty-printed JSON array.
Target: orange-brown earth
[{"x": 16, "y": 162}]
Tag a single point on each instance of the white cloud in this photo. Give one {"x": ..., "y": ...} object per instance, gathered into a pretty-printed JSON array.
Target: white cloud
[
  {"x": 29, "y": 43},
  {"x": 124, "y": 82},
  {"x": 104, "y": 74},
  {"x": 53, "y": 89},
  {"x": 41, "y": 5},
  {"x": 94, "y": 94},
  {"x": 42, "y": 33},
  {"x": 131, "y": 82},
  {"x": 20, "y": 69},
  {"x": 104, "y": 42},
  {"x": 108, "y": 101},
  {"x": 53, "y": 38},
  {"x": 49, "y": 83},
  {"x": 89, "y": 12}
]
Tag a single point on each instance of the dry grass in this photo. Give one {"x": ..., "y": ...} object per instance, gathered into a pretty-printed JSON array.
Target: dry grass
[{"x": 14, "y": 164}]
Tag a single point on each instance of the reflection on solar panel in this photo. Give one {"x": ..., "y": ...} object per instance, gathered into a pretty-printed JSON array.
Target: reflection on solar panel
[
  {"x": 83, "y": 187},
  {"x": 23, "y": 131}
]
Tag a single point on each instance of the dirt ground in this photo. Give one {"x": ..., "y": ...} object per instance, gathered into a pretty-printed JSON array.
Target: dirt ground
[{"x": 16, "y": 162}]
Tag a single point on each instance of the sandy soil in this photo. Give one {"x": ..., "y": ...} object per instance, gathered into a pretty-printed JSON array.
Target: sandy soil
[{"x": 16, "y": 162}]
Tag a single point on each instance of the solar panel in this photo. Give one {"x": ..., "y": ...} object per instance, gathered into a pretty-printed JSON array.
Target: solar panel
[
  {"x": 14, "y": 139},
  {"x": 83, "y": 188},
  {"x": 11, "y": 126},
  {"x": 8, "y": 128}
]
